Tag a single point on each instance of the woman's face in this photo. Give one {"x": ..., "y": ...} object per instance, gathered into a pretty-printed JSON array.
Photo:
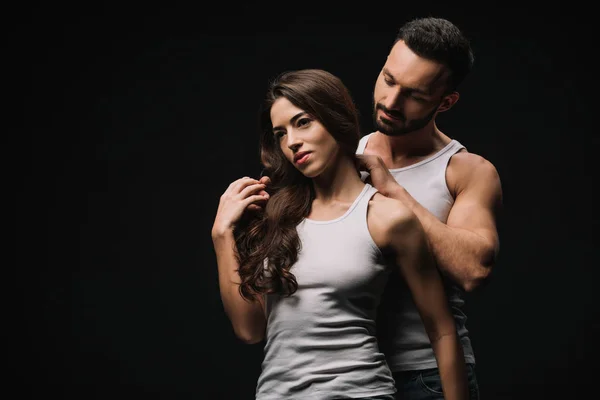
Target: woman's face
[{"x": 304, "y": 141}]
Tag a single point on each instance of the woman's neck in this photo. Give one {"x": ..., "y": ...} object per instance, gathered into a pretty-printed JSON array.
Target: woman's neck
[{"x": 340, "y": 183}]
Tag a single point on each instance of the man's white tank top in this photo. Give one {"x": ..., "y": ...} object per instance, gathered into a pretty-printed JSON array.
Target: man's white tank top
[{"x": 402, "y": 336}]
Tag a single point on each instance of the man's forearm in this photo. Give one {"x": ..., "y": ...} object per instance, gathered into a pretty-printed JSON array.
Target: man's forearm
[{"x": 464, "y": 256}]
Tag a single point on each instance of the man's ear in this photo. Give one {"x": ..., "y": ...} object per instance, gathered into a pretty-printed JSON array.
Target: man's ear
[{"x": 448, "y": 101}]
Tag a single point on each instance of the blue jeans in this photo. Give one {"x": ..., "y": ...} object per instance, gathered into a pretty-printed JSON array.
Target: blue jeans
[{"x": 426, "y": 384}]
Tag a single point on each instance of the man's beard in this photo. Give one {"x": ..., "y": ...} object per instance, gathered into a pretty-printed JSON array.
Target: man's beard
[{"x": 410, "y": 126}]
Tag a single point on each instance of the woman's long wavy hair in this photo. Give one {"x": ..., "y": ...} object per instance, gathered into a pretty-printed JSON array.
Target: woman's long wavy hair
[{"x": 267, "y": 241}]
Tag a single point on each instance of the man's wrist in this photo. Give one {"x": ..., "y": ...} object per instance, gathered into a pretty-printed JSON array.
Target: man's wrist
[
  {"x": 398, "y": 192},
  {"x": 395, "y": 191}
]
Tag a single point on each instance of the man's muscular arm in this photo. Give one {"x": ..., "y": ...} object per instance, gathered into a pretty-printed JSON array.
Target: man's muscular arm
[{"x": 466, "y": 246}]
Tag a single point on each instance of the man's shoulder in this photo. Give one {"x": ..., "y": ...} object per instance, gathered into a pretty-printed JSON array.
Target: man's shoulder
[
  {"x": 466, "y": 167},
  {"x": 466, "y": 160}
]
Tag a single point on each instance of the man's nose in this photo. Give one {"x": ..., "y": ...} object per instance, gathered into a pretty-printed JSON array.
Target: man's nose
[{"x": 394, "y": 100}]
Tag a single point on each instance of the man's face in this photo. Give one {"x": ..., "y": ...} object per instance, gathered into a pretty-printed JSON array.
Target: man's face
[{"x": 408, "y": 92}]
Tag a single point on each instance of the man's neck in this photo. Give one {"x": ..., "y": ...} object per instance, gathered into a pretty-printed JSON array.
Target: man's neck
[{"x": 404, "y": 150}]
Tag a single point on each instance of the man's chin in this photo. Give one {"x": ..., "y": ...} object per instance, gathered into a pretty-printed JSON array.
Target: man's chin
[
  {"x": 388, "y": 129},
  {"x": 394, "y": 133}
]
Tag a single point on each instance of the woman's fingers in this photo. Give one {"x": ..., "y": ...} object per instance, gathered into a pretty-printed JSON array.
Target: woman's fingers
[
  {"x": 253, "y": 199},
  {"x": 251, "y": 189}
]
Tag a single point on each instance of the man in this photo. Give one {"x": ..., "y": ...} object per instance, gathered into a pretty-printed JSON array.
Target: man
[{"x": 454, "y": 193}]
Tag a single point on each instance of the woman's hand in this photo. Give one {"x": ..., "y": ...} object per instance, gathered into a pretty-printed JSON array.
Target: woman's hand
[{"x": 242, "y": 194}]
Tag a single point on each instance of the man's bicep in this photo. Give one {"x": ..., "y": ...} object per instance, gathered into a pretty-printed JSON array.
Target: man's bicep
[{"x": 477, "y": 205}]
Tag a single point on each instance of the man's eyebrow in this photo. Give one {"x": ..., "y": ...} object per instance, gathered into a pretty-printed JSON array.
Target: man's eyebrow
[
  {"x": 387, "y": 72},
  {"x": 407, "y": 88}
]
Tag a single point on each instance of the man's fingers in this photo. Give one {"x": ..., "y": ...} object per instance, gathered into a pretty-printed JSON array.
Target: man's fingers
[
  {"x": 369, "y": 161},
  {"x": 363, "y": 162}
]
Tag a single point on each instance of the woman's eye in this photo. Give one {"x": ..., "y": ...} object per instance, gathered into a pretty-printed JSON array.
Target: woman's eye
[{"x": 303, "y": 121}]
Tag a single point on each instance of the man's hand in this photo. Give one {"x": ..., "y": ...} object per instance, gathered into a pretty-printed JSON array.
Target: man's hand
[{"x": 380, "y": 176}]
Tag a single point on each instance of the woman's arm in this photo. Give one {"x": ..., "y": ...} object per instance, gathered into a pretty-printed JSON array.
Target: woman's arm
[
  {"x": 247, "y": 317},
  {"x": 403, "y": 234}
]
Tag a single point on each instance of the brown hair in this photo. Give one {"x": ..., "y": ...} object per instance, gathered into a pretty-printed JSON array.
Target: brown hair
[
  {"x": 440, "y": 40},
  {"x": 271, "y": 235}
]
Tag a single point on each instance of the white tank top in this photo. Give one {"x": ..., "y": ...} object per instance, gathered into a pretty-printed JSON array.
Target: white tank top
[
  {"x": 320, "y": 341},
  {"x": 401, "y": 333}
]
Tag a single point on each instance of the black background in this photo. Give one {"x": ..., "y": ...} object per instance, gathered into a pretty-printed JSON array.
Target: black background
[{"x": 131, "y": 121}]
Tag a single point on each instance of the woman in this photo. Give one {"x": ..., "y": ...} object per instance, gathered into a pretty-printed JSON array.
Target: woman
[{"x": 305, "y": 269}]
